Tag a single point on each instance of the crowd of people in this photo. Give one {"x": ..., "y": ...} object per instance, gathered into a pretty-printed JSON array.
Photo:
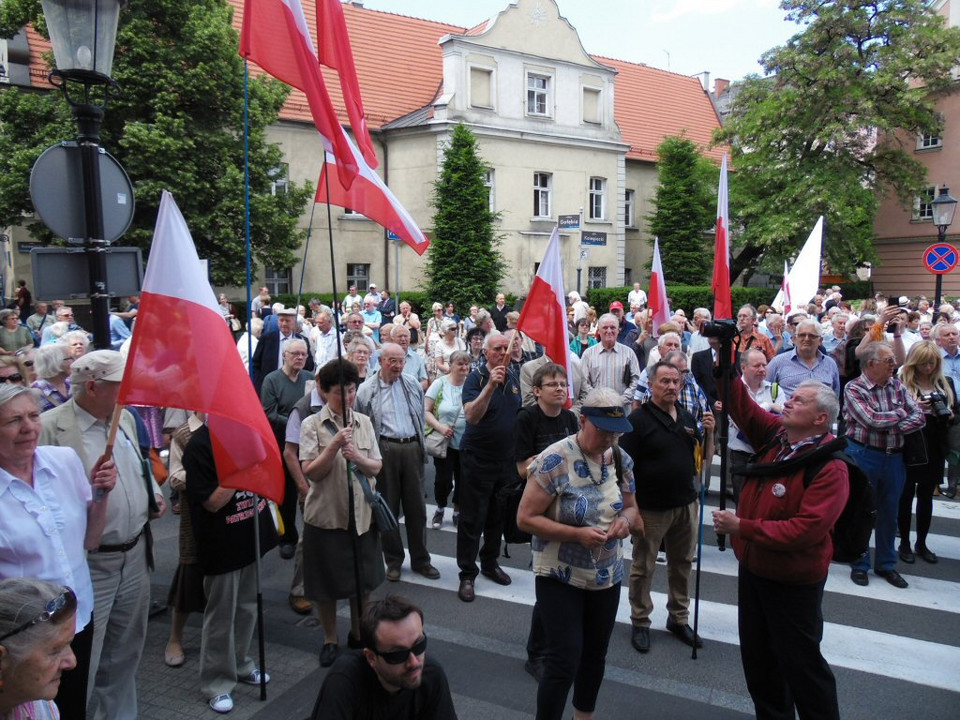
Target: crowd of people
[{"x": 362, "y": 395}]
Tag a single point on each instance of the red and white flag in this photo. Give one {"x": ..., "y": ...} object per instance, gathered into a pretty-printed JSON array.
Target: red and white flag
[
  {"x": 182, "y": 355},
  {"x": 722, "y": 302},
  {"x": 657, "y": 301},
  {"x": 544, "y": 314},
  {"x": 275, "y": 36},
  {"x": 370, "y": 196},
  {"x": 333, "y": 41}
]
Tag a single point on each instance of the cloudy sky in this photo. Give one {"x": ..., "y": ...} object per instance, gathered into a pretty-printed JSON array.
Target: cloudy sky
[{"x": 723, "y": 37}]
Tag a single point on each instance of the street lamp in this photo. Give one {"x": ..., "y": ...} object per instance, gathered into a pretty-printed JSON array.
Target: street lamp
[
  {"x": 944, "y": 206},
  {"x": 83, "y": 34}
]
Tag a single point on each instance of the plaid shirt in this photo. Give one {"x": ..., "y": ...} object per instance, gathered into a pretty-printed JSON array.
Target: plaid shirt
[
  {"x": 878, "y": 415},
  {"x": 691, "y": 397}
]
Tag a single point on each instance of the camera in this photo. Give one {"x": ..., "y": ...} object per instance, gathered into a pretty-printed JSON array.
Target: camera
[
  {"x": 722, "y": 329},
  {"x": 938, "y": 404}
]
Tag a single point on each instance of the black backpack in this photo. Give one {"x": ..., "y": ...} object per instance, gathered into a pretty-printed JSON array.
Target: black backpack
[{"x": 851, "y": 533}]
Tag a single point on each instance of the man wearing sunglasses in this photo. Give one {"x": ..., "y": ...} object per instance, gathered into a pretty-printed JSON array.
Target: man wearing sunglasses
[{"x": 393, "y": 677}]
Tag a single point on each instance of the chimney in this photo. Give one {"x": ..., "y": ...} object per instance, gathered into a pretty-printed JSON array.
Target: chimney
[{"x": 720, "y": 86}]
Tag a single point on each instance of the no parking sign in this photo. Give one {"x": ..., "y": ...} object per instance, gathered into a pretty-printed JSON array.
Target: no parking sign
[{"x": 941, "y": 258}]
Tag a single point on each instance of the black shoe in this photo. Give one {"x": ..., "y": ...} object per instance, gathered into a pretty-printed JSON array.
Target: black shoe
[
  {"x": 428, "y": 571},
  {"x": 497, "y": 575},
  {"x": 287, "y": 550},
  {"x": 328, "y": 654},
  {"x": 393, "y": 574},
  {"x": 640, "y": 639},
  {"x": 534, "y": 668},
  {"x": 860, "y": 577},
  {"x": 466, "y": 591},
  {"x": 906, "y": 554},
  {"x": 684, "y": 633},
  {"x": 893, "y": 577},
  {"x": 927, "y": 555}
]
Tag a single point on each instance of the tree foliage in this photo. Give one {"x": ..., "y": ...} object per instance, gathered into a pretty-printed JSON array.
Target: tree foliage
[
  {"x": 819, "y": 137},
  {"x": 685, "y": 203},
  {"x": 464, "y": 264},
  {"x": 176, "y": 124}
]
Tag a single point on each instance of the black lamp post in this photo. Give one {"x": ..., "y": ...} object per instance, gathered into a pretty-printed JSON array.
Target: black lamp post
[
  {"x": 83, "y": 34},
  {"x": 944, "y": 206}
]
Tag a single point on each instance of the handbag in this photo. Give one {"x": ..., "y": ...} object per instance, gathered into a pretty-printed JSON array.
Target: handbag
[
  {"x": 915, "y": 449},
  {"x": 435, "y": 442}
]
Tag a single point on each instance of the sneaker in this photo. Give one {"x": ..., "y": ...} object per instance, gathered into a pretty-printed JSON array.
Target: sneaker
[
  {"x": 661, "y": 558},
  {"x": 438, "y": 518},
  {"x": 221, "y": 703},
  {"x": 254, "y": 677}
]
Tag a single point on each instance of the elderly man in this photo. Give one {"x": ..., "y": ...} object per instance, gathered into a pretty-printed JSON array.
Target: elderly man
[
  {"x": 701, "y": 316},
  {"x": 350, "y": 299},
  {"x": 40, "y": 318},
  {"x": 610, "y": 364},
  {"x": 394, "y": 403},
  {"x": 837, "y": 334},
  {"x": 781, "y": 536},
  {"x": 372, "y": 319},
  {"x": 666, "y": 343},
  {"x": 637, "y": 297},
  {"x": 878, "y": 411},
  {"x": 748, "y": 335},
  {"x": 269, "y": 353},
  {"x": 62, "y": 314},
  {"x": 119, "y": 566},
  {"x": 804, "y": 362},
  {"x": 499, "y": 313},
  {"x": 663, "y": 444},
  {"x": 625, "y": 327},
  {"x": 393, "y": 678},
  {"x": 414, "y": 365},
  {"x": 947, "y": 339},
  {"x": 691, "y": 396},
  {"x": 491, "y": 399},
  {"x": 324, "y": 338},
  {"x": 281, "y": 390},
  {"x": 372, "y": 295}
]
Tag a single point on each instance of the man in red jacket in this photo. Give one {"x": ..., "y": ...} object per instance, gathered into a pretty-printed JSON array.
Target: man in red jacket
[{"x": 781, "y": 536}]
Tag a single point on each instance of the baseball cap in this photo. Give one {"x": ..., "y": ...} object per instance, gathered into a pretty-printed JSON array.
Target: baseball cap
[
  {"x": 611, "y": 419},
  {"x": 98, "y": 365},
  {"x": 616, "y": 305}
]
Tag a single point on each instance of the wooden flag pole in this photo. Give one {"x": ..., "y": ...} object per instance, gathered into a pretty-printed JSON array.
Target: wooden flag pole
[{"x": 112, "y": 434}]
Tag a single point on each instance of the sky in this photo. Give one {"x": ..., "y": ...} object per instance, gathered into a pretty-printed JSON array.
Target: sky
[{"x": 722, "y": 37}]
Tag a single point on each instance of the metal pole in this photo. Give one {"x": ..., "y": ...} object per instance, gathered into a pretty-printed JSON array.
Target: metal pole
[
  {"x": 89, "y": 117},
  {"x": 938, "y": 292}
]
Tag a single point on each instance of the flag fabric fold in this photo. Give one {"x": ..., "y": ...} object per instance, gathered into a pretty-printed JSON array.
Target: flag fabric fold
[
  {"x": 544, "y": 314},
  {"x": 785, "y": 288},
  {"x": 182, "y": 355},
  {"x": 294, "y": 61},
  {"x": 722, "y": 302},
  {"x": 333, "y": 42},
  {"x": 803, "y": 280},
  {"x": 657, "y": 300}
]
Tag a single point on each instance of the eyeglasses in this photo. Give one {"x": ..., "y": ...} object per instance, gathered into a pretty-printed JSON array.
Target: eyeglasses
[
  {"x": 63, "y": 600},
  {"x": 807, "y": 336},
  {"x": 15, "y": 378},
  {"x": 396, "y": 657},
  {"x": 554, "y": 385}
]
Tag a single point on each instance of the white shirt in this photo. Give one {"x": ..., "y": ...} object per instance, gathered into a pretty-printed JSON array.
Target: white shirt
[
  {"x": 636, "y": 297},
  {"x": 764, "y": 398},
  {"x": 44, "y": 527},
  {"x": 326, "y": 345}
]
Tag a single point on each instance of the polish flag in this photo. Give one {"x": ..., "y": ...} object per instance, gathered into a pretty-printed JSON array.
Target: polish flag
[
  {"x": 275, "y": 36},
  {"x": 657, "y": 301},
  {"x": 722, "y": 302},
  {"x": 335, "y": 52},
  {"x": 370, "y": 196},
  {"x": 182, "y": 355},
  {"x": 544, "y": 315}
]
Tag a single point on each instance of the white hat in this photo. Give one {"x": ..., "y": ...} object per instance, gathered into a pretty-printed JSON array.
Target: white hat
[{"x": 97, "y": 365}]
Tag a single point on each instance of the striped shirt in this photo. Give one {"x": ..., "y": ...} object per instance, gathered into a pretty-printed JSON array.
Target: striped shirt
[
  {"x": 878, "y": 415},
  {"x": 615, "y": 368},
  {"x": 788, "y": 371}
]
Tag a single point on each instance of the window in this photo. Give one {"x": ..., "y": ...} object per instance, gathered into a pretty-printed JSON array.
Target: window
[
  {"x": 929, "y": 141},
  {"x": 541, "y": 194},
  {"x": 923, "y": 205},
  {"x": 598, "y": 194},
  {"x": 627, "y": 277},
  {"x": 279, "y": 179},
  {"x": 629, "y": 208},
  {"x": 277, "y": 280},
  {"x": 488, "y": 183},
  {"x": 538, "y": 94},
  {"x": 481, "y": 95},
  {"x": 591, "y": 106},
  {"x": 353, "y": 214},
  {"x": 596, "y": 277},
  {"x": 358, "y": 274}
]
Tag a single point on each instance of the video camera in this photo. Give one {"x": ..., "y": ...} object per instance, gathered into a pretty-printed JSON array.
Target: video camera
[{"x": 721, "y": 329}]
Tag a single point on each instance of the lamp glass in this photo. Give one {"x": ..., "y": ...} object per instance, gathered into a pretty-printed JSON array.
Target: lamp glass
[
  {"x": 944, "y": 207},
  {"x": 83, "y": 33}
]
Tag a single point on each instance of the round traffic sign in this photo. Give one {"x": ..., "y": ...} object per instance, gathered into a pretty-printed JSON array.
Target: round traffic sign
[{"x": 941, "y": 258}]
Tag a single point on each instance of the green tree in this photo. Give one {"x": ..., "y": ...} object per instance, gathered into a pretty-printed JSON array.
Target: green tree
[
  {"x": 175, "y": 123},
  {"x": 819, "y": 137},
  {"x": 685, "y": 202},
  {"x": 464, "y": 264}
]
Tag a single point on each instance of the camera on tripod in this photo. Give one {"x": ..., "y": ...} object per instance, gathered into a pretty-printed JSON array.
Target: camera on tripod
[{"x": 721, "y": 329}]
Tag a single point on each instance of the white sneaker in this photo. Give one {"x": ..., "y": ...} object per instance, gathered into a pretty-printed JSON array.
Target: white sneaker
[
  {"x": 221, "y": 704},
  {"x": 254, "y": 677},
  {"x": 661, "y": 558}
]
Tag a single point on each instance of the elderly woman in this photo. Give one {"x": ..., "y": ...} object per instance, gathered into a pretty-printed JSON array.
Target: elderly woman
[
  {"x": 448, "y": 344},
  {"x": 53, "y": 364},
  {"x": 340, "y": 542},
  {"x": 11, "y": 371},
  {"x": 579, "y": 505},
  {"x": 51, "y": 516},
  {"x": 13, "y": 335},
  {"x": 443, "y": 405},
  {"x": 432, "y": 335},
  {"x": 250, "y": 338},
  {"x": 358, "y": 352},
  {"x": 78, "y": 342},
  {"x": 37, "y": 624},
  {"x": 409, "y": 320}
]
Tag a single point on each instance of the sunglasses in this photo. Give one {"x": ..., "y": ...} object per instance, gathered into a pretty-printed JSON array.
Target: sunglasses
[
  {"x": 15, "y": 378},
  {"x": 396, "y": 657},
  {"x": 64, "y": 600}
]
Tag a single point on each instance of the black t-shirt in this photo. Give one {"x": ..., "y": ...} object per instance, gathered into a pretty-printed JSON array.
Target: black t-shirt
[
  {"x": 225, "y": 539},
  {"x": 536, "y": 431},
  {"x": 662, "y": 452},
  {"x": 352, "y": 691},
  {"x": 494, "y": 434}
]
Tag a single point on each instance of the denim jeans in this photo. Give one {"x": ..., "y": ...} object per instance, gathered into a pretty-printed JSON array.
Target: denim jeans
[{"x": 887, "y": 475}]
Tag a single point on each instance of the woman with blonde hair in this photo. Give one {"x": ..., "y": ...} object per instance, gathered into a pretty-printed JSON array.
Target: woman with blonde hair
[{"x": 922, "y": 373}]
